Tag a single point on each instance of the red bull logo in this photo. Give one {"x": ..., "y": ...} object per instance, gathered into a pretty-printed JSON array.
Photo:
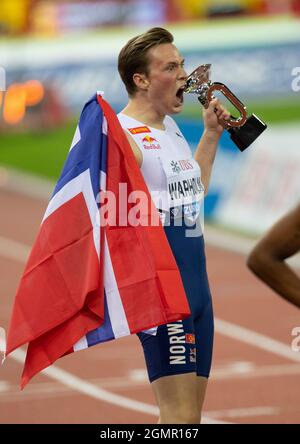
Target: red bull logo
[
  {"x": 150, "y": 143},
  {"x": 149, "y": 139}
]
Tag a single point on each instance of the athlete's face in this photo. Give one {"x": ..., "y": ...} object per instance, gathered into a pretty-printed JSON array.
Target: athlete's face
[{"x": 166, "y": 78}]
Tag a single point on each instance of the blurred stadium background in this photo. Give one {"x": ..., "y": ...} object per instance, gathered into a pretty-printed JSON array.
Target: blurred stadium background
[{"x": 55, "y": 54}]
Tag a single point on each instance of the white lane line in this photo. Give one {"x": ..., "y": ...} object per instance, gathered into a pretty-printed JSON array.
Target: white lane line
[
  {"x": 256, "y": 372},
  {"x": 14, "y": 250},
  {"x": 84, "y": 387},
  {"x": 237, "y": 243},
  {"x": 10, "y": 393},
  {"x": 54, "y": 389},
  {"x": 235, "y": 370},
  {"x": 245, "y": 412},
  {"x": 46, "y": 390},
  {"x": 2, "y": 338},
  {"x": 91, "y": 390},
  {"x": 228, "y": 241},
  {"x": 24, "y": 184},
  {"x": 258, "y": 340},
  {"x": 4, "y": 387}
]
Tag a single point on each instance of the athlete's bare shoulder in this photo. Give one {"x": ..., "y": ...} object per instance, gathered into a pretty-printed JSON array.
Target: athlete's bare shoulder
[{"x": 136, "y": 150}]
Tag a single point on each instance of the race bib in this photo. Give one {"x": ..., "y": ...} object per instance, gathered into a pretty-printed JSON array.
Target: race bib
[{"x": 184, "y": 187}]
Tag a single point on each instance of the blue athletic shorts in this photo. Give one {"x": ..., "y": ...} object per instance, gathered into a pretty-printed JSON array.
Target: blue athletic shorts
[{"x": 184, "y": 346}]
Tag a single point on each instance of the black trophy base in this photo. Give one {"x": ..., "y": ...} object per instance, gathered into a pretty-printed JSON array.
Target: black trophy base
[{"x": 244, "y": 135}]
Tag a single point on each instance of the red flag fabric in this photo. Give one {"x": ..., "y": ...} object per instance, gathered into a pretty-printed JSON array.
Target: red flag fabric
[{"x": 77, "y": 264}]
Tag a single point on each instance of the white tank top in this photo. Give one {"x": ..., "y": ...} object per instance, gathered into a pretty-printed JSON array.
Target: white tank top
[{"x": 171, "y": 174}]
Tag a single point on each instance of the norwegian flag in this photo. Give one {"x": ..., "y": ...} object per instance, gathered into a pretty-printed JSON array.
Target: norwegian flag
[{"x": 86, "y": 282}]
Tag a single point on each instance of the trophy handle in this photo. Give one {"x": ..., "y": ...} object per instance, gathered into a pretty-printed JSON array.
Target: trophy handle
[{"x": 232, "y": 122}]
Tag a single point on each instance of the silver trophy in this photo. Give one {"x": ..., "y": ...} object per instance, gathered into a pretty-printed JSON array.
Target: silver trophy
[{"x": 243, "y": 130}]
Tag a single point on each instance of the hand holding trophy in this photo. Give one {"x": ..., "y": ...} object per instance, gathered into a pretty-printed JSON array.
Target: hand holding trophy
[{"x": 243, "y": 130}]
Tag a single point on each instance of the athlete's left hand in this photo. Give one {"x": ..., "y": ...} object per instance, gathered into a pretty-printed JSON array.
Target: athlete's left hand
[{"x": 211, "y": 115}]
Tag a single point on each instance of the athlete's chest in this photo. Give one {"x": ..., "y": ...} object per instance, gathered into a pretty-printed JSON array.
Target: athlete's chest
[
  {"x": 164, "y": 153},
  {"x": 169, "y": 169}
]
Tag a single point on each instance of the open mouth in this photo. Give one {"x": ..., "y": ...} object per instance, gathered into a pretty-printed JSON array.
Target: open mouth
[{"x": 179, "y": 93}]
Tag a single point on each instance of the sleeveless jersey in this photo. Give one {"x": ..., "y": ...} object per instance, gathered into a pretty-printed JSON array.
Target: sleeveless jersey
[{"x": 171, "y": 174}]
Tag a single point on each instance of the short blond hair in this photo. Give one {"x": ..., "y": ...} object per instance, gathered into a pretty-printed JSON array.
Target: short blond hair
[{"x": 133, "y": 56}]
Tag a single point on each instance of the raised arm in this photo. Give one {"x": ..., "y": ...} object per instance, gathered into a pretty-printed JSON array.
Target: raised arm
[{"x": 207, "y": 147}]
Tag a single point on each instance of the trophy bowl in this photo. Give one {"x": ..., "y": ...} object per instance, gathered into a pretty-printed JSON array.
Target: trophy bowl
[{"x": 243, "y": 130}]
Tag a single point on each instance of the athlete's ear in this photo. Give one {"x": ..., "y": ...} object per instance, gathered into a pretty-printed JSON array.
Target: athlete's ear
[{"x": 141, "y": 81}]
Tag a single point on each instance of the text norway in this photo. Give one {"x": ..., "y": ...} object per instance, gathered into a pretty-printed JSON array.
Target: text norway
[{"x": 177, "y": 352}]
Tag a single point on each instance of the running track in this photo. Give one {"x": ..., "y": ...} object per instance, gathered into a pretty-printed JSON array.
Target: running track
[{"x": 255, "y": 377}]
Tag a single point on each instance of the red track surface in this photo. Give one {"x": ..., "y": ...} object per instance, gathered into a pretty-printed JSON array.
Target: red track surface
[{"x": 248, "y": 383}]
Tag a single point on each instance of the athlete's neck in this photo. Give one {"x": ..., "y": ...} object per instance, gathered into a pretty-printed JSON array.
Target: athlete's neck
[{"x": 144, "y": 112}]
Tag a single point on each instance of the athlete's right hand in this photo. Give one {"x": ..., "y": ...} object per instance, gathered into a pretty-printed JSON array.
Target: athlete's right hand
[{"x": 211, "y": 116}]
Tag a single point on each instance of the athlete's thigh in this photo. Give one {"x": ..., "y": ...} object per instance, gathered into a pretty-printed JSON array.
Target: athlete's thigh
[
  {"x": 201, "y": 389},
  {"x": 184, "y": 390}
]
